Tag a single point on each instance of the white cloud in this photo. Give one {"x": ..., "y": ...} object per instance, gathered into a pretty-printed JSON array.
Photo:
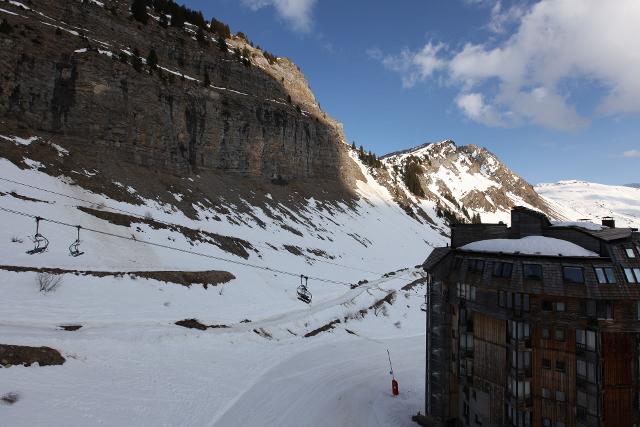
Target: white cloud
[
  {"x": 413, "y": 66},
  {"x": 631, "y": 153},
  {"x": 501, "y": 17},
  {"x": 590, "y": 43},
  {"x": 298, "y": 13},
  {"x": 473, "y": 105}
]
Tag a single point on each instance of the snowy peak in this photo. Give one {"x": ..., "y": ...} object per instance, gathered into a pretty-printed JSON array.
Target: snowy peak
[{"x": 463, "y": 181}]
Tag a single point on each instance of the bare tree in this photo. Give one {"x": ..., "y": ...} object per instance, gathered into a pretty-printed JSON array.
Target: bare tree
[{"x": 48, "y": 282}]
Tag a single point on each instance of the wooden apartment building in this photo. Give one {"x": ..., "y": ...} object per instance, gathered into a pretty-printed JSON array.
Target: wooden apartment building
[{"x": 537, "y": 324}]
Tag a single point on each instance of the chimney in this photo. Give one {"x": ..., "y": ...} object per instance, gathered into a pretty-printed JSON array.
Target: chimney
[{"x": 608, "y": 221}]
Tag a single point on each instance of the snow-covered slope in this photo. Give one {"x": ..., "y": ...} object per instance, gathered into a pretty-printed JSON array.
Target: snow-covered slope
[
  {"x": 594, "y": 201},
  {"x": 130, "y": 364},
  {"x": 465, "y": 181}
]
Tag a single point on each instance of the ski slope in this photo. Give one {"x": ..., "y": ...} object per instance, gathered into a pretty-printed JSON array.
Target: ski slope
[
  {"x": 336, "y": 384},
  {"x": 130, "y": 364},
  {"x": 593, "y": 201}
]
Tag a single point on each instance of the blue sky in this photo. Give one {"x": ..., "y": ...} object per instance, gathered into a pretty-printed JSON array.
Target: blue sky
[{"x": 550, "y": 86}]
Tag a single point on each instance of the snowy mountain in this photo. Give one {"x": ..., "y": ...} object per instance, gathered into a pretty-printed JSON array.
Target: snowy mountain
[
  {"x": 594, "y": 201},
  {"x": 202, "y": 192},
  {"x": 461, "y": 181}
]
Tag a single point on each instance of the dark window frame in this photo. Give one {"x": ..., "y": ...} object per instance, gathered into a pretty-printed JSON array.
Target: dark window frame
[
  {"x": 632, "y": 272},
  {"x": 502, "y": 269},
  {"x": 566, "y": 278},
  {"x": 526, "y": 269},
  {"x": 606, "y": 273},
  {"x": 475, "y": 265}
]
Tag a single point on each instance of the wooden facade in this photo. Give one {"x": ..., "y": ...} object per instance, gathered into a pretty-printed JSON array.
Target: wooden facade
[{"x": 540, "y": 351}]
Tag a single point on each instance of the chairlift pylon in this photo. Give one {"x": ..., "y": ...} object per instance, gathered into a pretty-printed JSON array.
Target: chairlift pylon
[
  {"x": 41, "y": 243},
  {"x": 74, "y": 248},
  {"x": 303, "y": 292}
]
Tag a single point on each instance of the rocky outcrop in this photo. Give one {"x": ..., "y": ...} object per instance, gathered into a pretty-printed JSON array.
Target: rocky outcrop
[
  {"x": 68, "y": 72},
  {"x": 463, "y": 181}
]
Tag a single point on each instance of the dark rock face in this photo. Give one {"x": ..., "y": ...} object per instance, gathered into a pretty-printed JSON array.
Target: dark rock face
[{"x": 71, "y": 84}]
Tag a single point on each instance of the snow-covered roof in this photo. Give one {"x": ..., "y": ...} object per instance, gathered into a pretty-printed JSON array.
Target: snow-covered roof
[
  {"x": 581, "y": 224},
  {"x": 530, "y": 245}
]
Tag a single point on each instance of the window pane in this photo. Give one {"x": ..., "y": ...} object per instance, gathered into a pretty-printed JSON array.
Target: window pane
[
  {"x": 506, "y": 269},
  {"x": 532, "y": 271},
  {"x": 637, "y": 273},
  {"x": 582, "y": 399},
  {"x": 581, "y": 368},
  {"x": 630, "y": 253},
  {"x": 611, "y": 277},
  {"x": 573, "y": 274},
  {"x": 591, "y": 340},
  {"x": 601, "y": 276},
  {"x": 629, "y": 275}
]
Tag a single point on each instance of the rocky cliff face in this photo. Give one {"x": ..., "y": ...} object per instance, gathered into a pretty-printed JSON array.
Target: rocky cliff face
[{"x": 68, "y": 74}]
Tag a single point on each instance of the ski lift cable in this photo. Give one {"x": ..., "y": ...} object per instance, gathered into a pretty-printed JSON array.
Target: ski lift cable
[
  {"x": 124, "y": 211},
  {"x": 160, "y": 245}
]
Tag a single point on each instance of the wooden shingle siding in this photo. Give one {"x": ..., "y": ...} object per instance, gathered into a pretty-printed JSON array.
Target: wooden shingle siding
[{"x": 608, "y": 312}]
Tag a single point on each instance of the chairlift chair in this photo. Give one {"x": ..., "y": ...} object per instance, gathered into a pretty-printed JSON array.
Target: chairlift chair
[
  {"x": 303, "y": 293},
  {"x": 41, "y": 243},
  {"x": 74, "y": 248}
]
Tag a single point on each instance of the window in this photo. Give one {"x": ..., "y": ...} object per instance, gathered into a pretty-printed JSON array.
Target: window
[
  {"x": 519, "y": 330},
  {"x": 559, "y": 306},
  {"x": 502, "y": 269},
  {"x": 632, "y": 275},
  {"x": 630, "y": 252},
  {"x": 561, "y": 366},
  {"x": 545, "y": 333},
  {"x": 573, "y": 274},
  {"x": 467, "y": 292},
  {"x": 520, "y": 359},
  {"x": 475, "y": 265},
  {"x": 514, "y": 300},
  {"x": 560, "y": 397},
  {"x": 559, "y": 334},
  {"x": 586, "y": 339},
  {"x": 587, "y": 401},
  {"x": 546, "y": 363},
  {"x": 597, "y": 309},
  {"x": 546, "y": 393},
  {"x": 586, "y": 370},
  {"x": 466, "y": 341},
  {"x": 604, "y": 310},
  {"x": 547, "y": 305},
  {"x": 546, "y": 422},
  {"x": 581, "y": 399},
  {"x": 605, "y": 275},
  {"x": 523, "y": 388},
  {"x": 532, "y": 271},
  {"x": 637, "y": 310}
]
